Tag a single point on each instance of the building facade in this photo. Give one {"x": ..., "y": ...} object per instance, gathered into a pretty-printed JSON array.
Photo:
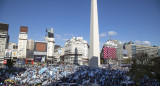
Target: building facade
[
  {"x": 119, "y": 50},
  {"x": 4, "y": 40},
  {"x": 58, "y": 54},
  {"x": 109, "y": 44},
  {"x": 11, "y": 51},
  {"x": 50, "y": 44},
  {"x": 40, "y": 51},
  {"x": 76, "y": 51},
  {"x": 30, "y": 48},
  {"x": 132, "y": 49},
  {"x": 22, "y": 42},
  {"x": 12, "y": 46}
]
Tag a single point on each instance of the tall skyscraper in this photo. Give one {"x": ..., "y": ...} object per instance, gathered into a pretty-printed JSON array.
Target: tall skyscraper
[
  {"x": 50, "y": 44},
  {"x": 94, "y": 55},
  {"x": 22, "y": 42},
  {"x": 4, "y": 40}
]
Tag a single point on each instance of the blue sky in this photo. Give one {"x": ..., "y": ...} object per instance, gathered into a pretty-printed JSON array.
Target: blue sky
[{"x": 125, "y": 20}]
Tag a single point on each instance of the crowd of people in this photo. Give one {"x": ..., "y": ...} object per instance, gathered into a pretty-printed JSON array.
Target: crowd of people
[
  {"x": 86, "y": 75},
  {"x": 45, "y": 75},
  {"x": 80, "y": 75}
]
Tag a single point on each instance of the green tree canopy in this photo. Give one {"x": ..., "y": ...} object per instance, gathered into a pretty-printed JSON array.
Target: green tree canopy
[{"x": 145, "y": 65}]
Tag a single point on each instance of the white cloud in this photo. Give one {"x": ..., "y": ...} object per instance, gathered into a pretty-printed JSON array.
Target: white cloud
[
  {"x": 143, "y": 42},
  {"x": 147, "y": 43},
  {"x": 138, "y": 42},
  {"x": 103, "y": 34},
  {"x": 112, "y": 33}
]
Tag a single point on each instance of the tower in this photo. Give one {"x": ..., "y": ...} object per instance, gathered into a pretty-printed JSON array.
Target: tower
[
  {"x": 22, "y": 42},
  {"x": 50, "y": 43},
  {"x": 94, "y": 55}
]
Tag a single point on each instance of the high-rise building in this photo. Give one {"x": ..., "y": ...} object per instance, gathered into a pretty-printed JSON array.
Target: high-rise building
[
  {"x": 119, "y": 51},
  {"x": 76, "y": 51},
  {"x": 50, "y": 44},
  {"x": 132, "y": 49},
  {"x": 110, "y": 59},
  {"x": 22, "y": 42},
  {"x": 4, "y": 40}
]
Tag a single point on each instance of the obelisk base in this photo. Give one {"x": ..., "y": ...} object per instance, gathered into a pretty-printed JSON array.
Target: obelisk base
[{"x": 93, "y": 62}]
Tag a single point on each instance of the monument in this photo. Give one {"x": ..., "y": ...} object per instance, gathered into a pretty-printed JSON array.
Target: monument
[{"x": 94, "y": 53}]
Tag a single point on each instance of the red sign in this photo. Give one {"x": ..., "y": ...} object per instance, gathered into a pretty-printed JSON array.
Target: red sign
[
  {"x": 26, "y": 61},
  {"x": 32, "y": 62},
  {"x": 5, "y": 62}
]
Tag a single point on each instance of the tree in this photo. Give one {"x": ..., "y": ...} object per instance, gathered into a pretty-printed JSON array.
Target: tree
[
  {"x": 126, "y": 61},
  {"x": 155, "y": 67},
  {"x": 145, "y": 65}
]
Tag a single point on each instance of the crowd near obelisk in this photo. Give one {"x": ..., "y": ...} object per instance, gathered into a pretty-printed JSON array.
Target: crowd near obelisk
[{"x": 78, "y": 63}]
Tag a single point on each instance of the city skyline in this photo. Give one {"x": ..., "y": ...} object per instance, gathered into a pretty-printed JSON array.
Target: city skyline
[{"x": 138, "y": 21}]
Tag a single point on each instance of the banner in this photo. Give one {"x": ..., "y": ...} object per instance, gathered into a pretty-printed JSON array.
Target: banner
[{"x": 109, "y": 52}]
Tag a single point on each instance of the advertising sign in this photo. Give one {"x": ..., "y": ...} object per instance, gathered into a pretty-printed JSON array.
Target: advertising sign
[
  {"x": 38, "y": 59},
  {"x": 14, "y": 53},
  {"x": 43, "y": 59},
  {"x": 8, "y": 53},
  {"x": 42, "y": 47}
]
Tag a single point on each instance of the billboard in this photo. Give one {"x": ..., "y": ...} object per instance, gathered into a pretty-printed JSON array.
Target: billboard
[
  {"x": 40, "y": 59},
  {"x": 24, "y": 29},
  {"x": 8, "y": 53},
  {"x": 42, "y": 47},
  {"x": 14, "y": 53}
]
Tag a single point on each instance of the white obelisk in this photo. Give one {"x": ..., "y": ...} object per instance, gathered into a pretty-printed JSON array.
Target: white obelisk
[{"x": 94, "y": 53}]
